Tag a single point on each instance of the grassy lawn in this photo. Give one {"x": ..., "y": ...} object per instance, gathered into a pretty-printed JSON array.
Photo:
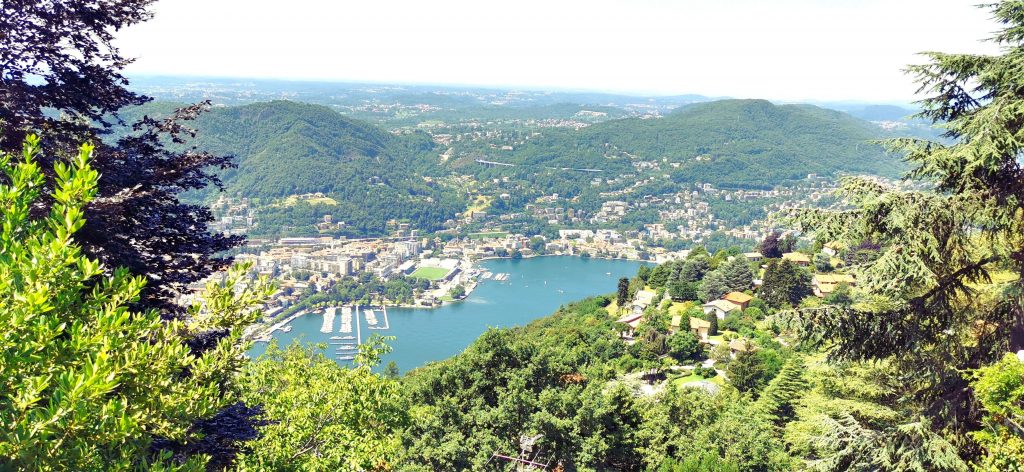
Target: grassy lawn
[
  {"x": 292, "y": 200},
  {"x": 493, "y": 234},
  {"x": 718, "y": 379},
  {"x": 481, "y": 203},
  {"x": 429, "y": 273},
  {"x": 447, "y": 298},
  {"x": 721, "y": 336},
  {"x": 613, "y": 308},
  {"x": 678, "y": 308}
]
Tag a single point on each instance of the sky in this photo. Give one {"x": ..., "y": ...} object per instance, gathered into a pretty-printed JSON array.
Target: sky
[{"x": 786, "y": 50}]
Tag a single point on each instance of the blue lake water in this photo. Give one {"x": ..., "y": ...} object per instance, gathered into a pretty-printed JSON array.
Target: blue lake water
[{"x": 536, "y": 288}]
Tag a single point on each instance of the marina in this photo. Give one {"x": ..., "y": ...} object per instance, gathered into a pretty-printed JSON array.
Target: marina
[
  {"x": 423, "y": 335},
  {"x": 328, "y": 325}
]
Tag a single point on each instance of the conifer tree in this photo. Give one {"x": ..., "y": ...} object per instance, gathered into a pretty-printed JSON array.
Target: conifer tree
[
  {"x": 778, "y": 400},
  {"x": 936, "y": 310}
]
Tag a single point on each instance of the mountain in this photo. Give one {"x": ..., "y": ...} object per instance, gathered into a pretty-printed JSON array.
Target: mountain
[
  {"x": 285, "y": 148},
  {"x": 729, "y": 143}
]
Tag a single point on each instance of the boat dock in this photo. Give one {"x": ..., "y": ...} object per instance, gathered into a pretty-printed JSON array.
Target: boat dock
[
  {"x": 280, "y": 325},
  {"x": 346, "y": 320},
  {"x": 384, "y": 313},
  {"x": 328, "y": 325}
]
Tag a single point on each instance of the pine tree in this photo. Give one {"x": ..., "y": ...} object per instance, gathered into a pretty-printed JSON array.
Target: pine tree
[
  {"x": 738, "y": 275},
  {"x": 713, "y": 319},
  {"x": 746, "y": 372},
  {"x": 778, "y": 400},
  {"x": 785, "y": 284},
  {"x": 623, "y": 293},
  {"x": 936, "y": 310}
]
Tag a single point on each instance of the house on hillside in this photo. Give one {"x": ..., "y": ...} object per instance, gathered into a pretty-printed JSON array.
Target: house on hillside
[
  {"x": 739, "y": 298},
  {"x": 739, "y": 345},
  {"x": 677, "y": 321},
  {"x": 753, "y": 256},
  {"x": 632, "y": 321},
  {"x": 825, "y": 284},
  {"x": 720, "y": 308},
  {"x": 798, "y": 258},
  {"x": 642, "y": 300},
  {"x": 700, "y": 328},
  {"x": 832, "y": 248}
]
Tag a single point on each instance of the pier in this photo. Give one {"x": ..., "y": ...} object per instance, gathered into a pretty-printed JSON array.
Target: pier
[
  {"x": 280, "y": 325},
  {"x": 328, "y": 325},
  {"x": 387, "y": 325}
]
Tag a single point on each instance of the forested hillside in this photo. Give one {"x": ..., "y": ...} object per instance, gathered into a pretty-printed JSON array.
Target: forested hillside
[
  {"x": 729, "y": 143},
  {"x": 284, "y": 148}
]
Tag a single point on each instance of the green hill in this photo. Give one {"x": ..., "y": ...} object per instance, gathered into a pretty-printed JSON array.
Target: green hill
[
  {"x": 730, "y": 143},
  {"x": 284, "y": 148}
]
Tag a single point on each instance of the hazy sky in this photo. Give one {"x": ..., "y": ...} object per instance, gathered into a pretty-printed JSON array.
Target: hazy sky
[{"x": 776, "y": 49}]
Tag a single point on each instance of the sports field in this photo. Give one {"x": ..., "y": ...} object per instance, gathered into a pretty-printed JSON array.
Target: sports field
[{"x": 429, "y": 273}]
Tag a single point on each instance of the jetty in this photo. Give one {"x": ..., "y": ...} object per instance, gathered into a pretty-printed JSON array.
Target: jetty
[
  {"x": 280, "y": 325},
  {"x": 328, "y": 324},
  {"x": 384, "y": 313},
  {"x": 346, "y": 320}
]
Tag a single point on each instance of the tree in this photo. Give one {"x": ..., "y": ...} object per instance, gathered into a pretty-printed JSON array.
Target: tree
[
  {"x": 747, "y": 372},
  {"x": 89, "y": 383},
  {"x": 738, "y": 275},
  {"x": 62, "y": 75},
  {"x": 694, "y": 268},
  {"x": 713, "y": 319},
  {"x": 682, "y": 345},
  {"x": 713, "y": 286},
  {"x": 658, "y": 276},
  {"x": 785, "y": 284},
  {"x": 769, "y": 247},
  {"x": 391, "y": 371},
  {"x": 322, "y": 416},
  {"x": 778, "y": 402},
  {"x": 936, "y": 310},
  {"x": 682, "y": 291},
  {"x": 1000, "y": 389},
  {"x": 458, "y": 291},
  {"x": 822, "y": 263},
  {"x": 623, "y": 293}
]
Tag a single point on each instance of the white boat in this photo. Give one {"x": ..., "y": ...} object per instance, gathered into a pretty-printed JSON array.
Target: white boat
[
  {"x": 346, "y": 358},
  {"x": 287, "y": 329}
]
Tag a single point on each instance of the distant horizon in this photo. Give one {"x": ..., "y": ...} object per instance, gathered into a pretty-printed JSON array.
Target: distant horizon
[
  {"x": 517, "y": 88},
  {"x": 793, "y": 51}
]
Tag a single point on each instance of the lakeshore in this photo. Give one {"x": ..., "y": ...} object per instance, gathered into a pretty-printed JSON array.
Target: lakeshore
[{"x": 536, "y": 287}]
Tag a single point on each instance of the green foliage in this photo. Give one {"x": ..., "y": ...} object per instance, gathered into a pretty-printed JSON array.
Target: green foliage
[
  {"x": 785, "y": 284},
  {"x": 748, "y": 372},
  {"x": 933, "y": 307},
  {"x": 622, "y": 295},
  {"x": 778, "y": 401},
  {"x": 322, "y": 416},
  {"x": 713, "y": 286},
  {"x": 682, "y": 345},
  {"x": 737, "y": 273},
  {"x": 1000, "y": 390},
  {"x": 85, "y": 382}
]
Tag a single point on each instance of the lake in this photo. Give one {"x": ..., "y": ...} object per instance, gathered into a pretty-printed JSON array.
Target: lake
[{"x": 535, "y": 288}]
